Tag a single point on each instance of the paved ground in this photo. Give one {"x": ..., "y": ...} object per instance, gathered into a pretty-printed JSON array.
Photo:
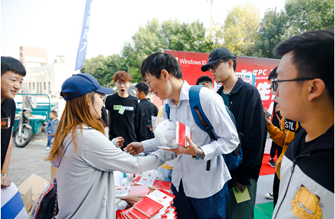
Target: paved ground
[{"x": 30, "y": 159}]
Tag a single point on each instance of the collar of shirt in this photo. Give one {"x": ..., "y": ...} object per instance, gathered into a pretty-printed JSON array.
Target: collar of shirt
[{"x": 184, "y": 94}]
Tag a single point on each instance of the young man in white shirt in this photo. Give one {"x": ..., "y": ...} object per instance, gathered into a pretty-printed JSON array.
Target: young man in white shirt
[{"x": 200, "y": 193}]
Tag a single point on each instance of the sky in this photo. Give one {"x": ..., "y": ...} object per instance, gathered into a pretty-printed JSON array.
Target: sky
[{"x": 56, "y": 24}]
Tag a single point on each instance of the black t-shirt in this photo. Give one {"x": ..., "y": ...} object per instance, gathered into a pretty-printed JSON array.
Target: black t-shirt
[
  {"x": 123, "y": 117},
  {"x": 7, "y": 122},
  {"x": 146, "y": 109}
]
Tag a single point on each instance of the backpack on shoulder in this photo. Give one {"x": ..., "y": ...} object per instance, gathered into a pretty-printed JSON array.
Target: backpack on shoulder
[{"x": 233, "y": 159}]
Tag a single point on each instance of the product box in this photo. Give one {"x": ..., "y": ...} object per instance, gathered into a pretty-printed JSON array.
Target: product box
[{"x": 31, "y": 189}]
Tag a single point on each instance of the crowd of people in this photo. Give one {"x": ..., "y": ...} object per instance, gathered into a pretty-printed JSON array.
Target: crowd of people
[{"x": 203, "y": 184}]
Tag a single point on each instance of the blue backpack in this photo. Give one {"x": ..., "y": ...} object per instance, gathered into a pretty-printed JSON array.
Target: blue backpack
[{"x": 233, "y": 159}]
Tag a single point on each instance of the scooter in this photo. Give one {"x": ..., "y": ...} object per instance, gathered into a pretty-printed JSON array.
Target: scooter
[{"x": 23, "y": 133}]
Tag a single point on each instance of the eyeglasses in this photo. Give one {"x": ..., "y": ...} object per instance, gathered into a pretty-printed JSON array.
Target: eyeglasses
[
  {"x": 119, "y": 83},
  {"x": 213, "y": 66},
  {"x": 275, "y": 82}
]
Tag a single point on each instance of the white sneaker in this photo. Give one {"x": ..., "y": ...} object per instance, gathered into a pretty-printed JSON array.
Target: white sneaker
[
  {"x": 269, "y": 195},
  {"x": 47, "y": 148}
]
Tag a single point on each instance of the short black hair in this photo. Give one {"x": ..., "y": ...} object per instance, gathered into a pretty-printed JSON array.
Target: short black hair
[
  {"x": 54, "y": 112},
  {"x": 273, "y": 73},
  {"x": 142, "y": 87},
  {"x": 205, "y": 79},
  {"x": 312, "y": 55},
  {"x": 11, "y": 64},
  {"x": 158, "y": 61}
]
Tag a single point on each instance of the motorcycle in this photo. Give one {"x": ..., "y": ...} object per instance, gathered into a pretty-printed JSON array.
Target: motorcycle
[{"x": 23, "y": 133}]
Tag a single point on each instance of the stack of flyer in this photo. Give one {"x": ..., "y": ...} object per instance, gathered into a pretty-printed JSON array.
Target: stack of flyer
[
  {"x": 156, "y": 205},
  {"x": 152, "y": 183},
  {"x": 131, "y": 191}
]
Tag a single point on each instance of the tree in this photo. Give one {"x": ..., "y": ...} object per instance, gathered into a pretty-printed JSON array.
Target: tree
[
  {"x": 240, "y": 29},
  {"x": 171, "y": 34},
  {"x": 103, "y": 68},
  {"x": 306, "y": 15},
  {"x": 299, "y": 16},
  {"x": 59, "y": 59},
  {"x": 271, "y": 32}
]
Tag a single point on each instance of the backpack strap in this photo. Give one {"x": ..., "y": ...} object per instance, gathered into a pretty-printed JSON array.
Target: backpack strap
[
  {"x": 198, "y": 115},
  {"x": 167, "y": 109}
]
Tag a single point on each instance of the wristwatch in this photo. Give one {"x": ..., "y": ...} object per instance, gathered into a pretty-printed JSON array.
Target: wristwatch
[{"x": 197, "y": 157}]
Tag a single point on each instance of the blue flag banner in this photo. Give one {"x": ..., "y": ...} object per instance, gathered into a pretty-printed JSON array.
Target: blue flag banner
[{"x": 81, "y": 54}]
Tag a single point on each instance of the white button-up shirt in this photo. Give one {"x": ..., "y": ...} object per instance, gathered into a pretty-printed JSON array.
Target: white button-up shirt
[{"x": 197, "y": 182}]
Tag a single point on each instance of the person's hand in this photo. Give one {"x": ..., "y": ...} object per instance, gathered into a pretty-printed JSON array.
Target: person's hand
[
  {"x": 239, "y": 187},
  {"x": 119, "y": 141},
  {"x": 5, "y": 181},
  {"x": 191, "y": 149},
  {"x": 134, "y": 148},
  {"x": 267, "y": 118}
]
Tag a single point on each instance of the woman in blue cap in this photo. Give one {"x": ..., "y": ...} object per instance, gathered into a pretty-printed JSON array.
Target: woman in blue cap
[{"x": 85, "y": 157}]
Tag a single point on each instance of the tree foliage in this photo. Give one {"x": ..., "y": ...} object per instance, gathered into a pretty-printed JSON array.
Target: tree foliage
[
  {"x": 299, "y": 16},
  {"x": 242, "y": 32},
  {"x": 271, "y": 32},
  {"x": 306, "y": 15},
  {"x": 170, "y": 34},
  {"x": 240, "y": 29}
]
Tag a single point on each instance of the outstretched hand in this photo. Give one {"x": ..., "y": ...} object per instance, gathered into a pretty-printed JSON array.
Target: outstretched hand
[
  {"x": 134, "y": 148},
  {"x": 191, "y": 149}
]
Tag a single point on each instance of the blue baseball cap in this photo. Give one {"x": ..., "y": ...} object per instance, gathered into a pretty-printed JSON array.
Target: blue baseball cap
[{"x": 80, "y": 84}]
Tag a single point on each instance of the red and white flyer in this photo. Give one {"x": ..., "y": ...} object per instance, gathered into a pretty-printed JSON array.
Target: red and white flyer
[
  {"x": 154, "y": 183},
  {"x": 154, "y": 202}
]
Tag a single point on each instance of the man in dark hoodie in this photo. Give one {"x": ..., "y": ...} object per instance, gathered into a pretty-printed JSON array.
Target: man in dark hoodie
[
  {"x": 245, "y": 103},
  {"x": 304, "y": 90}
]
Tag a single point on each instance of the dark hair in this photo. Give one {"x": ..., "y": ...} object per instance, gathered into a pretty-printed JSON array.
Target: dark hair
[
  {"x": 11, "y": 64},
  {"x": 205, "y": 79},
  {"x": 54, "y": 112},
  {"x": 121, "y": 76},
  {"x": 142, "y": 87},
  {"x": 158, "y": 61},
  {"x": 312, "y": 55},
  {"x": 273, "y": 73}
]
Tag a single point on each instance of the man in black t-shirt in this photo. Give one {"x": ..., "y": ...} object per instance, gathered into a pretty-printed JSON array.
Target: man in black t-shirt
[
  {"x": 146, "y": 109},
  {"x": 122, "y": 110},
  {"x": 12, "y": 73}
]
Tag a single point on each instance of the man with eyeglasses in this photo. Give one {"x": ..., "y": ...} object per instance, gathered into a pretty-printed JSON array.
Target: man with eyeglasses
[
  {"x": 245, "y": 102},
  {"x": 281, "y": 137},
  {"x": 122, "y": 110},
  {"x": 305, "y": 92}
]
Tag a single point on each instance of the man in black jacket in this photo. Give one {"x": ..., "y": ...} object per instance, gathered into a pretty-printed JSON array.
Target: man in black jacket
[
  {"x": 245, "y": 102},
  {"x": 146, "y": 109}
]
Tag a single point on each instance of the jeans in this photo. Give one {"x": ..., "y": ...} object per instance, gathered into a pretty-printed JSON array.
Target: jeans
[
  {"x": 242, "y": 210},
  {"x": 213, "y": 207},
  {"x": 49, "y": 139},
  {"x": 276, "y": 182}
]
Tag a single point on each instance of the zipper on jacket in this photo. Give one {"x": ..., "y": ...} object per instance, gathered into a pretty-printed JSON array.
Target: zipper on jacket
[{"x": 289, "y": 182}]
